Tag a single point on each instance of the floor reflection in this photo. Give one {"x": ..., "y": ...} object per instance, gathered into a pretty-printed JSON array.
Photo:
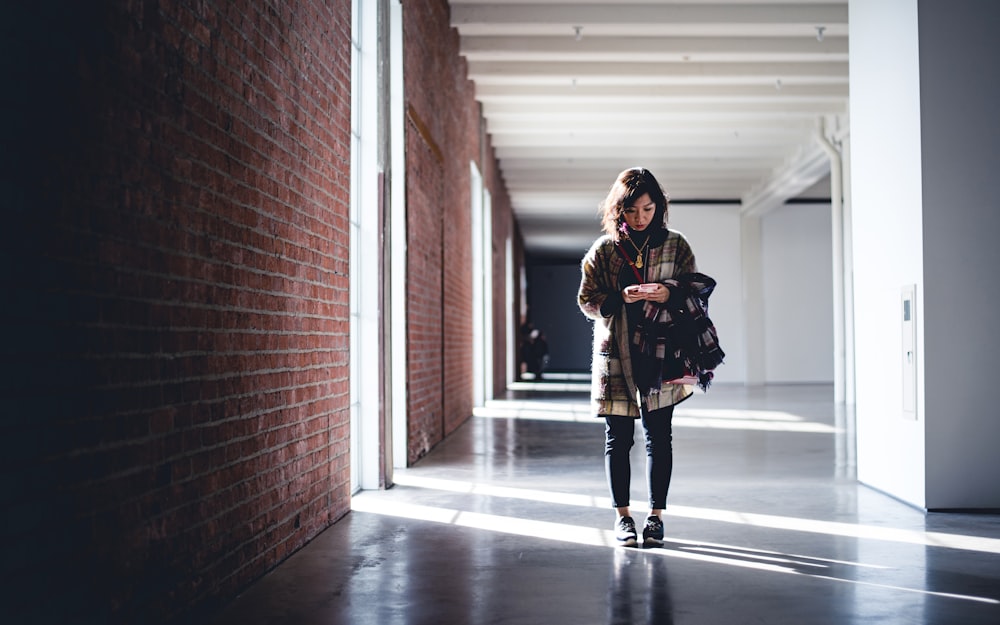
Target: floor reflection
[
  {"x": 639, "y": 590},
  {"x": 508, "y": 522}
]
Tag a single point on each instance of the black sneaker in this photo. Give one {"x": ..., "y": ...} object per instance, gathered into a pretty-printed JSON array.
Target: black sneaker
[
  {"x": 625, "y": 531},
  {"x": 652, "y": 533}
]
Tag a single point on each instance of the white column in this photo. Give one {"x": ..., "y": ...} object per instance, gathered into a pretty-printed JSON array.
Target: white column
[
  {"x": 837, "y": 218},
  {"x": 397, "y": 239},
  {"x": 845, "y": 157}
]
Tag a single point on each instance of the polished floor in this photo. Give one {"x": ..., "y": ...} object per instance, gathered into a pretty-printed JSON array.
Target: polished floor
[{"x": 508, "y": 522}]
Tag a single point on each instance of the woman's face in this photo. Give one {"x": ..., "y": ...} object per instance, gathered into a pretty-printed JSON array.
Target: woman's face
[{"x": 640, "y": 215}]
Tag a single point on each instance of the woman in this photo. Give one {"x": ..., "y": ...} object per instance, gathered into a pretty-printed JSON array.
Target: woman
[{"x": 636, "y": 261}]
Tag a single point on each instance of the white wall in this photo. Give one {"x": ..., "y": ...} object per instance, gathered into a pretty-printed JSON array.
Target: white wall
[
  {"x": 888, "y": 249},
  {"x": 714, "y": 234},
  {"x": 797, "y": 252},
  {"x": 797, "y": 268},
  {"x": 961, "y": 224},
  {"x": 798, "y": 287},
  {"x": 924, "y": 136}
]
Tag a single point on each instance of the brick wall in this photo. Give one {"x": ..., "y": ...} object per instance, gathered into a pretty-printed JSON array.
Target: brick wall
[
  {"x": 444, "y": 135},
  {"x": 175, "y": 413}
]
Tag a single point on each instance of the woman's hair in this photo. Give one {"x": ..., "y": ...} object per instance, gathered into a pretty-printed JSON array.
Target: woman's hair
[{"x": 629, "y": 187}]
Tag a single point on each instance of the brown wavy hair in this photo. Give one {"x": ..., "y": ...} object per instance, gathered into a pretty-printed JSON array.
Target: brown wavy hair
[{"x": 630, "y": 185}]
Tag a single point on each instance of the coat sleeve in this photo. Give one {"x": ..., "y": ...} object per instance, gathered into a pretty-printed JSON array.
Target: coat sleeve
[
  {"x": 595, "y": 281},
  {"x": 684, "y": 260},
  {"x": 683, "y": 264}
]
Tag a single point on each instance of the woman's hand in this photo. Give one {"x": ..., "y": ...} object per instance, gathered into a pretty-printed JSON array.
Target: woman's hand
[{"x": 649, "y": 291}]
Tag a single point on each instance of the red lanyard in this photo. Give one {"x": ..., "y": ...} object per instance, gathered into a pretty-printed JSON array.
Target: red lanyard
[{"x": 630, "y": 262}]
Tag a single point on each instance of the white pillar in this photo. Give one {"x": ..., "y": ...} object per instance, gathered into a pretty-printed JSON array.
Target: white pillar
[
  {"x": 837, "y": 217},
  {"x": 845, "y": 158}
]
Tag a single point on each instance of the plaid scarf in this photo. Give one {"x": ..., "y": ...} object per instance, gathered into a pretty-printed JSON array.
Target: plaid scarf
[{"x": 677, "y": 339}]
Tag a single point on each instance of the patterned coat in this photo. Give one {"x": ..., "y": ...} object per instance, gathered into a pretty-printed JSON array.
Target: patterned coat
[{"x": 613, "y": 390}]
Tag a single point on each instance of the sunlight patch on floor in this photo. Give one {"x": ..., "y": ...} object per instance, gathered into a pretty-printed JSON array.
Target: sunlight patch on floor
[
  {"x": 588, "y": 536},
  {"x": 832, "y": 528},
  {"x": 580, "y": 412},
  {"x": 728, "y": 423},
  {"x": 583, "y": 412}
]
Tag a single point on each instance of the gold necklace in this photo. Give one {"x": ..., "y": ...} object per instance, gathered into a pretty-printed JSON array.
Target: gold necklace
[{"x": 638, "y": 251}]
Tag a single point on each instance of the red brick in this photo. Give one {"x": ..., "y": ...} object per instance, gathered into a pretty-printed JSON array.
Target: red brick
[{"x": 186, "y": 261}]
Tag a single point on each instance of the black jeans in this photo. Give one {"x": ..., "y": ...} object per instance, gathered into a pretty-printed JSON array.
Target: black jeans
[{"x": 619, "y": 437}]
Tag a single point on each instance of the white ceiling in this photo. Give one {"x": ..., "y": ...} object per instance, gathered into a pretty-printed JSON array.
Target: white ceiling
[{"x": 721, "y": 101}]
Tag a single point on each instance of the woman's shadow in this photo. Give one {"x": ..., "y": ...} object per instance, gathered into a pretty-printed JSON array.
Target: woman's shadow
[{"x": 639, "y": 590}]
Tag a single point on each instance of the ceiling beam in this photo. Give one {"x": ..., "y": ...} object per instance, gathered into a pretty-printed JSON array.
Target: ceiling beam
[
  {"x": 721, "y": 131},
  {"x": 720, "y": 19},
  {"x": 634, "y": 153},
  {"x": 651, "y": 49},
  {"x": 650, "y": 110},
  {"x": 677, "y": 164},
  {"x": 769, "y": 92},
  {"x": 644, "y": 72}
]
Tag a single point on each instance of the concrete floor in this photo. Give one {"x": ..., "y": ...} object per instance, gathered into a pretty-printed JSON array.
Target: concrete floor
[{"x": 508, "y": 521}]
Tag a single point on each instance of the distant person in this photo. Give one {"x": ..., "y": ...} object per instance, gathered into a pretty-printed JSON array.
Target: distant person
[
  {"x": 539, "y": 348},
  {"x": 533, "y": 353},
  {"x": 525, "y": 349},
  {"x": 632, "y": 278}
]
